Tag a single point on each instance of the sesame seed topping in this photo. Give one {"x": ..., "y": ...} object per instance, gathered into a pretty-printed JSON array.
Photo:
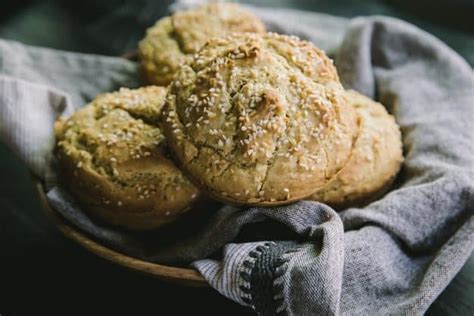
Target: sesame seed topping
[{"x": 271, "y": 108}]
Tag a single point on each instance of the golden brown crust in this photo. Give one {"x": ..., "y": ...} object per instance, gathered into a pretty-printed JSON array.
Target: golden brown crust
[
  {"x": 259, "y": 119},
  {"x": 375, "y": 161},
  {"x": 113, "y": 158},
  {"x": 175, "y": 38}
]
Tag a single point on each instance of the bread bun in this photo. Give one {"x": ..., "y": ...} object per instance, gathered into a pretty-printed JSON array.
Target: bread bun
[
  {"x": 113, "y": 159},
  {"x": 259, "y": 119},
  {"x": 375, "y": 160},
  {"x": 175, "y": 38}
]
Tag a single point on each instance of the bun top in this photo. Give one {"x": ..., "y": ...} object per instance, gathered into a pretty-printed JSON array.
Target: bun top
[
  {"x": 194, "y": 27},
  {"x": 375, "y": 161},
  {"x": 113, "y": 156},
  {"x": 259, "y": 119},
  {"x": 173, "y": 39}
]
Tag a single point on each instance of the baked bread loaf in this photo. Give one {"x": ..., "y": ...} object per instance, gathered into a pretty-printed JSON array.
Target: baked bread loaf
[
  {"x": 375, "y": 160},
  {"x": 175, "y": 38},
  {"x": 259, "y": 119},
  {"x": 113, "y": 158}
]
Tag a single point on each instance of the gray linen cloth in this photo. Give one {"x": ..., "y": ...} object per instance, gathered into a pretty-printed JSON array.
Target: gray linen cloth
[{"x": 393, "y": 256}]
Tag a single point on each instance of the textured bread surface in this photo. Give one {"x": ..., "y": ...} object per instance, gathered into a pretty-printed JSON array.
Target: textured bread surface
[
  {"x": 175, "y": 38},
  {"x": 259, "y": 119},
  {"x": 113, "y": 158},
  {"x": 375, "y": 161}
]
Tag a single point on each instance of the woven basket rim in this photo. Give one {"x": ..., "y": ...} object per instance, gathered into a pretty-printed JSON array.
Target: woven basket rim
[{"x": 184, "y": 276}]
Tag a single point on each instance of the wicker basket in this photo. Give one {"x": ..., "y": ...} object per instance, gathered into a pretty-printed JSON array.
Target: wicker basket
[{"x": 188, "y": 277}]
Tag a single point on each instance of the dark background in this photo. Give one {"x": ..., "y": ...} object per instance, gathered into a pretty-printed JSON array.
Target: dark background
[{"x": 41, "y": 272}]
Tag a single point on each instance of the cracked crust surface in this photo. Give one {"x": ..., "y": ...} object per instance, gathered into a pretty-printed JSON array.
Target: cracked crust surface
[
  {"x": 259, "y": 119},
  {"x": 113, "y": 158},
  {"x": 175, "y": 38},
  {"x": 375, "y": 161}
]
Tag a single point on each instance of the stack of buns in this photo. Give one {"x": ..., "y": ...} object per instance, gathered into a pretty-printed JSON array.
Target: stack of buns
[{"x": 246, "y": 118}]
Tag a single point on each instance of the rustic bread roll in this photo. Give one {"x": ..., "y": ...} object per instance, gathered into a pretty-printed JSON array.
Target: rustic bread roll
[
  {"x": 259, "y": 119},
  {"x": 113, "y": 158},
  {"x": 173, "y": 39},
  {"x": 375, "y": 160}
]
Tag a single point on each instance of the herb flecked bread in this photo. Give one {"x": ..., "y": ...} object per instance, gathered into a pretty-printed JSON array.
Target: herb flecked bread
[
  {"x": 375, "y": 160},
  {"x": 259, "y": 119},
  {"x": 113, "y": 158},
  {"x": 175, "y": 38}
]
